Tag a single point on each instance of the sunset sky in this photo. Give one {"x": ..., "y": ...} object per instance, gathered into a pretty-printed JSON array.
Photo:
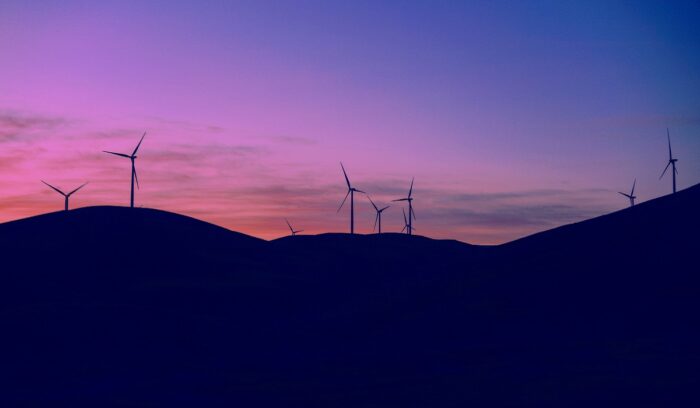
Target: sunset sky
[{"x": 514, "y": 117}]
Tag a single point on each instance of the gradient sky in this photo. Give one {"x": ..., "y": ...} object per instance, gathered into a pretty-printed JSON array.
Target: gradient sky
[{"x": 514, "y": 117}]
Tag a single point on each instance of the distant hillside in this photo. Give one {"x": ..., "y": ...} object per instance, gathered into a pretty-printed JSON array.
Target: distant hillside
[
  {"x": 113, "y": 307},
  {"x": 116, "y": 223},
  {"x": 671, "y": 215}
]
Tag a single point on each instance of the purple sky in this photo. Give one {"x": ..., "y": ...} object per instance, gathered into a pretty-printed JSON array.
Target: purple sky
[{"x": 514, "y": 117}]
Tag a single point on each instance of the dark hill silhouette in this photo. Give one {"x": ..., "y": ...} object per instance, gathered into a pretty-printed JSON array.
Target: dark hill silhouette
[
  {"x": 110, "y": 306},
  {"x": 108, "y": 222},
  {"x": 671, "y": 215}
]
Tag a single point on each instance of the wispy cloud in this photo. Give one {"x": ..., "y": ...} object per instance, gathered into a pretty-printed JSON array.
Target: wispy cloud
[
  {"x": 516, "y": 216},
  {"x": 501, "y": 216},
  {"x": 295, "y": 140},
  {"x": 647, "y": 121},
  {"x": 26, "y": 127},
  {"x": 241, "y": 185},
  {"x": 185, "y": 125}
]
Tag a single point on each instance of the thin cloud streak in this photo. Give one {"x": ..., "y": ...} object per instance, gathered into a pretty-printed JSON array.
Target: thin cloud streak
[
  {"x": 23, "y": 128},
  {"x": 244, "y": 186}
]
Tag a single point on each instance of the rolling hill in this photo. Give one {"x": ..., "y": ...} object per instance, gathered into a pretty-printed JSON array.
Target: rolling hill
[{"x": 111, "y": 306}]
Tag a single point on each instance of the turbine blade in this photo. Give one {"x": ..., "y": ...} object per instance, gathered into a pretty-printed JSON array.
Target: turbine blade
[
  {"x": 347, "y": 180},
  {"x": 662, "y": 174},
  {"x": 404, "y": 229},
  {"x": 118, "y": 154},
  {"x": 414, "y": 213},
  {"x": 373, "y": 205},
  {"x": 77, "y": 189},
  {"x": 56, "y": 189},
  {"x": 401, "y": 199},
  {"x": 289, "y": 225},
  {"x": 633, "y": 185},
  {"x": 668, "y": 135},
  {"x": 341, "y": 204},
  {"x": 405, "y": 220},
  {"x": 623, "y": 194},
  {"x": 136, "y": 177},
  {"x": 410, "y": 190},
  {"x": 138, "y": 145},
  {"x": 384, "y": 208},
  {"x": 296, "y": 232},
  {"x": 360, "y": 191},
  {"x": 376, "y": 217}
]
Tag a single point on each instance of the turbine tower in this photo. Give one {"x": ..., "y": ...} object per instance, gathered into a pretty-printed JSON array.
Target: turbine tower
[
  {"x": 294, "y": 232},
  {"x": 631, "y": 195},
  {"x": 411, "y": 214},
  {"x": 378, "y": 217},
  {"x": 132, "y": 157},
  {"x": 671, "y": 162},
  {"x": 351, "y": 192},
  {"x": 65, "y": 196}
]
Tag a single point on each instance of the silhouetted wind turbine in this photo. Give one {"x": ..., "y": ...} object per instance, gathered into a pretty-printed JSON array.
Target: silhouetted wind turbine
[
  {"x": 133, "y": 167},
  {"x": 66, "y": 196},
  {"x": 671, "y": 162},
  {"x": 351, "y": 193},
  {"x": 411, "y": 214},
  {"x": 406, "y": 227},
  {"x": 631, "y": 195},
  {"x": 294, "y": 232},
  {"x": 378, "y": 218}
]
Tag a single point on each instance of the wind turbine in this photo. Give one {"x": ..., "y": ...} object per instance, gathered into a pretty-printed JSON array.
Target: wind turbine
[
  {"x": 671, "y": 162},
  {"x": 378, "y": 218},
  {"x": 351, "y": 193},
  {"x": 411, "y": 214},
  {"x": 631, "y": 195},
  {"x": 405, "y": 222},
  {"x": 133, "y": 167},
  {"x": 294, "y": 232},
  {"x": 66, "y": 196}
]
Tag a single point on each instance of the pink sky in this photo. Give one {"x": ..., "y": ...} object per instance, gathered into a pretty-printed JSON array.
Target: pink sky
[{"x": 250, "y": 108}]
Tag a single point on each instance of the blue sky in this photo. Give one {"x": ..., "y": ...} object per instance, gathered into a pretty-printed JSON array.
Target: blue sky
[{"x": 513, "y": 116}]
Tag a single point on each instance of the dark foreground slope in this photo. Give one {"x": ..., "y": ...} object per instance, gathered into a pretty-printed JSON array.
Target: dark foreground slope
[{"x": 112, "y": 306}]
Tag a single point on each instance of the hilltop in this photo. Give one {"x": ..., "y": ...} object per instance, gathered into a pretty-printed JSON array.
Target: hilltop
[{"x": 111, "y": 306}]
